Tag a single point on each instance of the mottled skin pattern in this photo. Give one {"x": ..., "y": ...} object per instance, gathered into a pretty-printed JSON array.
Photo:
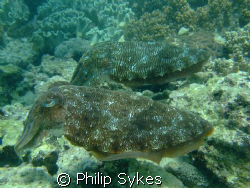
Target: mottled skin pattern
[
  {"x": 137, "y": 63},
  {"x": 111, "y": 122}
]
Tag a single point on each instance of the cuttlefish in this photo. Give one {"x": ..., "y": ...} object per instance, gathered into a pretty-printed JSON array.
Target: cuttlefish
[
  {"x": 138, "y": 63},
  {"x": 113, "y": 124}
]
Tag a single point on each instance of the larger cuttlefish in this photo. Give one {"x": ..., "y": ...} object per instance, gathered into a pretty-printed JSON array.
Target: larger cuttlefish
[{"x": 113, "y": 125}]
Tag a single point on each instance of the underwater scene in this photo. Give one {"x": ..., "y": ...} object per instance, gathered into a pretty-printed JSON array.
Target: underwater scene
[{"x": 125, "y": 93}]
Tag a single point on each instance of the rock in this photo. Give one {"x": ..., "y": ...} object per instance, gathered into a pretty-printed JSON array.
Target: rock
[
  {"x": 72, "y": 48},
  {"x": 188, "y": 174},
  {"x": 56, "y": 66},
  {"x": 183, "y": 31},
  {"x": 224, "y": 101}
]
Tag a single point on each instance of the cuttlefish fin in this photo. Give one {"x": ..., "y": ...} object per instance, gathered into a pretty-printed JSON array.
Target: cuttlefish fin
[
  {"x": 152, "y": 156},
  {"x": 184, "y": 149},
  {"x": 155, "y": 156}
]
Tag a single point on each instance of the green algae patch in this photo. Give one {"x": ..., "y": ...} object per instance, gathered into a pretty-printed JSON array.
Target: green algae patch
[
  {"x": 9, "y": 77},
  {"x": 9, "y": 69},
  {"x": 10, "y": 130},
  {"x": 9, "y": 74}
]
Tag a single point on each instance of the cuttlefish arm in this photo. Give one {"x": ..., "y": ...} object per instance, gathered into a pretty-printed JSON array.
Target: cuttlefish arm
[{"x": 47, "y": 115}]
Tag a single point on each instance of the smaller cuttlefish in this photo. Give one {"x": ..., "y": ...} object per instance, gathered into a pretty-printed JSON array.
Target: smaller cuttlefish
[
  {"x": 138, "y": 63},
  {"x": 113, "y": 124}
]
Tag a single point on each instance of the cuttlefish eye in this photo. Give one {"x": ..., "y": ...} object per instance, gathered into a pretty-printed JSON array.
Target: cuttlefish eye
[
  {"x": 50, "y": 102},
  {"x": 52, "y": 99}
]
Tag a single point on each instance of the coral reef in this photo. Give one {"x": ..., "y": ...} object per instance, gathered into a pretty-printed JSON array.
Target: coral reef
[
  {"x": 2, "y": 42},
  {"x": 75, "y": 159},
  {"x": 18, "y": 85},
  {"x": 182, "y": 14},
  {"x": 18, "y": 52},
  {"x": 194, "y": 4},
  {"x": 244, "y": 11},
  {"x": 31, "y": 29},
  {"x": 150, "y": 26},
  {"x": 16, "y": 126},
  {"x": 160, "y": 24},
  {"x": 188, "y": 174},
  {"x": 10, "y": 75},
  {"x": 222, "y": 66},
  {"x": 73, "y": 48},
  {"x": 140, "y": 7},
  {"x": 13, "y": 12},
  {"x": 32, "y": 5},
  {"x": 52, "y": 22},
  {"x": 226, "y": 156},
  {"x": 15, "y": 19},
  {"x": 95, "y": 21},
  {"x": 217, "y": 15},
  {"x": 52, "y": 66},
  {"x": 238, "y": 45},
  {"x": 207, "y": 40},
  {"x": 225, "y": 102},
  {"x": 130, "y": 169},
  {"x": 166, "y": 20},
  {"x": 60, "y": 26},
  {"x": 237, "y": 56},
  {"x": 26, "y": 177},
  {"x": 57, "y": 21},
  {"x": 16, "y": 112}
]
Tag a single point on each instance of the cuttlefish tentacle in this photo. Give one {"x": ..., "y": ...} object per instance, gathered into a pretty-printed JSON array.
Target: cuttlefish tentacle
[{"x": 36, "y": 127}]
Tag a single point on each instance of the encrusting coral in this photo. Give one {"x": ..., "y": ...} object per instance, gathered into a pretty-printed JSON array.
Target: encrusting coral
[
  {"x": 72, "y": 48},
  {"x": 13, "y": 12},
  {"x": 95, "y": 21},
  {"x": 56, "y": 21},
  {"x": 238, "y": 45},
  {"x": 161, "y": 23},
  {"x": 225, "y": 102},
  {"x": 173, "y": 15},
  {"x": 151, "y": 26}
]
